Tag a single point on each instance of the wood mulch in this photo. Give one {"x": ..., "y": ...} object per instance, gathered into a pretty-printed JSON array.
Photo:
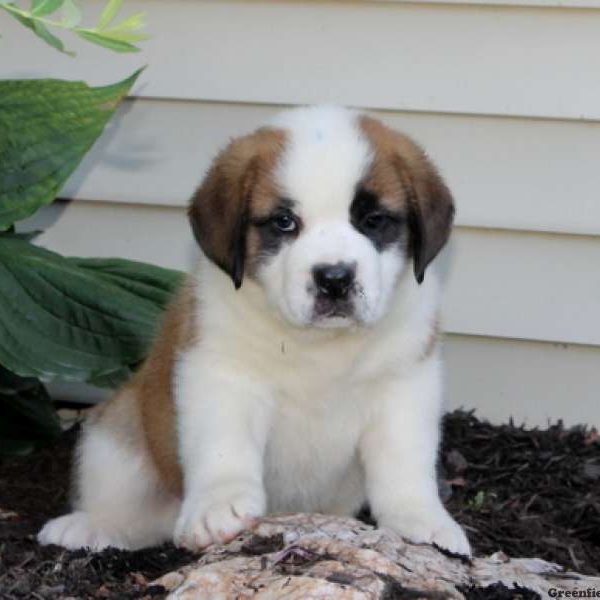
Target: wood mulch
[{"x": 525, "y": 492}]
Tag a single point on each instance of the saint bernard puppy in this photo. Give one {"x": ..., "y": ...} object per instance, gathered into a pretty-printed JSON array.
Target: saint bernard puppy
[{"x": 298, "y": 368}]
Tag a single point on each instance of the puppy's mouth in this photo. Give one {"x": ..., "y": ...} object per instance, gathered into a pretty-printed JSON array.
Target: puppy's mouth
[{"x": 327, "y": 308}]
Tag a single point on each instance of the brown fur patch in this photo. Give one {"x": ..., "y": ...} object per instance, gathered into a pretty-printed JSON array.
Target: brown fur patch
[
  {"x": 383, "y": 178},
  {"x": 153, "y": 386},
  {"x": 406, "y": 180},
  {"x": 142, "y": 412},
  {"x": 238, "y": 187}
]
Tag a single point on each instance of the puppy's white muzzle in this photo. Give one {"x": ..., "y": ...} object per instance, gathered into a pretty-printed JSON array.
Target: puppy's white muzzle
[{"x": 331, "y": 276}]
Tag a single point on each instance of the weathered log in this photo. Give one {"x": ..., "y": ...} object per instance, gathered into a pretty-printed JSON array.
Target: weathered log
[{"x": 309, "y": 556}]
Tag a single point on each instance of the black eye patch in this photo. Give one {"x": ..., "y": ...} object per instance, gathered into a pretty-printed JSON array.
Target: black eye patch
[
  {"x": 280, "y": 226},
  {"x": 382, "y": 226}
]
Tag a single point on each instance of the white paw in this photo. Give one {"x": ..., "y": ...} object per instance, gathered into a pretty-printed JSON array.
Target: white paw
[
  {"x": 217, "y": 516},
  {"x": 76, "y": 530},
  {"x": 438, "y": 528}
]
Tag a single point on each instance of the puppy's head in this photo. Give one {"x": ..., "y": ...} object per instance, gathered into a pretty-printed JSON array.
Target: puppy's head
[{"x": 326, "y": 209}]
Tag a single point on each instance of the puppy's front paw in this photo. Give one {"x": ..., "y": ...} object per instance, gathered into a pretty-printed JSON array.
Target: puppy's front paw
[
  {"x": 217, "y": 516},
  {"x": 438, "y": 528},
  {"x": 76, "y": 530}
]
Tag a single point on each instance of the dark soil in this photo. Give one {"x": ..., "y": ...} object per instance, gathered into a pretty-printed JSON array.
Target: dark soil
[{"x": 527, "y": 493}]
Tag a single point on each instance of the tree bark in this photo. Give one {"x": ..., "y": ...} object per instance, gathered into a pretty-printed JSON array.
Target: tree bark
[{"x": 309, "y": 556}]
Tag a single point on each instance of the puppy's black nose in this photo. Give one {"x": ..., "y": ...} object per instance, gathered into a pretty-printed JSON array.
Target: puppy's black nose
[{"x": 334, "y": 281}]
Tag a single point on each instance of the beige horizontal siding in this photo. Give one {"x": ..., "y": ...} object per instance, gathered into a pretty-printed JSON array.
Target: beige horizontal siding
[
  {"x": 152, "y": 234},
  {"x": 532, "y": 382},
  {"x": 516, "y": 285},
  {"x": 502, "y": 60},
  {"x": 500, "y": 284},
  {"x": 507, "y": 173}
]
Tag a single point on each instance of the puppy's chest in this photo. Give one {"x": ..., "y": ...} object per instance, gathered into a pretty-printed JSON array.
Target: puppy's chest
[
  {"x": 323, "y": 397},
  {"x": 317, "y": 413},
  {"x": 325, "y": 416},
  {"x": 321, "y": 402},
  {"x": 311, "y": 448}
]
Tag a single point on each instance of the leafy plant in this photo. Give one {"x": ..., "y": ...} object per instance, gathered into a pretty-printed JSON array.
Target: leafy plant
[
  {"x": 61, "y": 319},
  {"x": 28, "y": 416},
  {"x": 76, "y": 319},
  {"x": 120, "y": 37},
  {"x": 46, "y": 127}
]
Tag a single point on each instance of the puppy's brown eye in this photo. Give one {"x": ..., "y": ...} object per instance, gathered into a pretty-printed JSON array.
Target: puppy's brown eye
[{"x": 285, "y": 223}]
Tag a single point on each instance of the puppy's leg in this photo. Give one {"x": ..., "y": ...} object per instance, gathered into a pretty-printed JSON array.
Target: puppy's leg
[
  {"x": 119, "y": 501},
  {"x": 399, "y": 451},
  {"x": 223, "y": 418}
]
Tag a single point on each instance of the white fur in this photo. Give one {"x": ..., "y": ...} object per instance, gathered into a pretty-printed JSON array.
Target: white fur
[
  {"x": 119, "y": 501},
  {"x": 276, "y": 414},
  {"x": 326, "y": 157}
]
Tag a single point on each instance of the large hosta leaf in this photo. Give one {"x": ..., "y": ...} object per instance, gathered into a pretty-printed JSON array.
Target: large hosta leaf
[
  {"x": 27, "y": 417},
  {"x": 46, "y": 127},
  {"x": 75, "y": 319}
]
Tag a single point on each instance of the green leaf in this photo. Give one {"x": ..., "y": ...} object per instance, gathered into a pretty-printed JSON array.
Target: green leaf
[
  {"x": 27, "y": 417},
  {"x": 32, "y": 22},
  {"x": 46, "y": 128},
  {"x": 106, "y": 41},
  {"x": 42, "y": 31},
  {"x": 109, "y": 13},
  {"x": 117, "y": 35},
  {"x": 74, "y": 319},
  {"x": 142, "y": 279},
  {"x": 41, "y": 8},
  {"x": 119, "y": 38},
  {"x": 71, "y": 14},
  {"x": 26, "y": 21},
  {"x": 132, "y": 23},
  {"x": 125, "y": 30}
]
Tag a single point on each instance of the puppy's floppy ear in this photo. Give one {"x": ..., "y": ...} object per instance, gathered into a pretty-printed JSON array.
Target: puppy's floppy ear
[
  {"x": 219, "y": 211},
  {"x": 430, "y": 205},
  {"x": 431, "y": 209}
]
